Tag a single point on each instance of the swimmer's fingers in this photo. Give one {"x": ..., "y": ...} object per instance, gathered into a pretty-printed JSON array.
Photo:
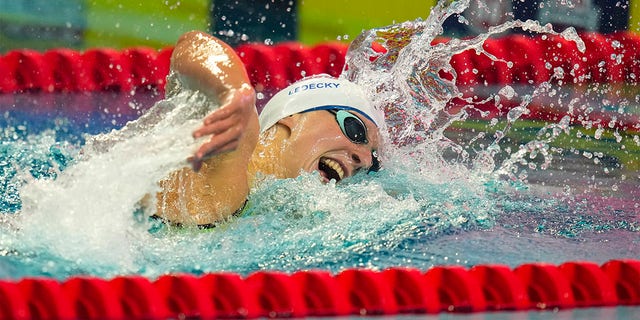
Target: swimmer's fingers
[
  {"x": 228, "y": 123},
  {"x": 221, "y": 114},
  {"x": 234, "y": 114},
  {"x": 218, "y": 144},
  {"x": 233, "y": 122},
  {"x": 239, "y": 102},
  {"x": 195, "y": 164},
  {"x": 227, "y": 132}
]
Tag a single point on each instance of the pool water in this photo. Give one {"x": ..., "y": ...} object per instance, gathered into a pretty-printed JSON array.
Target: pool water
[
  {"x": 399, "y": 216},
  {"x": 459, "y": 186}
]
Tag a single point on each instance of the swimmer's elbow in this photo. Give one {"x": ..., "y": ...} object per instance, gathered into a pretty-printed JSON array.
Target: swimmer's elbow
[{"x": 209, "y": 64}]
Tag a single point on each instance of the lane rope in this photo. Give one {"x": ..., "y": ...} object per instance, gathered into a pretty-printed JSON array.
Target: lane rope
[
  {"x": 612, "y": 58},
  {"x": 535, "y": 286}
]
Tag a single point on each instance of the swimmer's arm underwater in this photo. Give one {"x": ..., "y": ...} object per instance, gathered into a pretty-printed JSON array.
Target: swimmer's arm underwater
[{"x": 218, "y": 185}]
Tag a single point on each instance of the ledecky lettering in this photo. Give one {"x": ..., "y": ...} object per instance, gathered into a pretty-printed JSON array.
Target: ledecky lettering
[{"x": 313, "y": 86}]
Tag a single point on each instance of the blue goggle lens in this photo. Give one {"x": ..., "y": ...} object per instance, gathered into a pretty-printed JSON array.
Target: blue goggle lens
[
  {"x": 356, "y": 131},
  {"x": 352, "y": 127}
]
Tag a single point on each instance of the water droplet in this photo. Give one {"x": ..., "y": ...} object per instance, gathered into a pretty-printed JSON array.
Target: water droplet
[
  {"x": 508, "y": 92},
  {"x": 616, "y": 44},
  {"x": 598, "y": 133}
]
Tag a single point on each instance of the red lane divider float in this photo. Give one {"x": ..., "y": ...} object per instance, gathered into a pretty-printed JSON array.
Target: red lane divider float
[
  {"x": 70, "y": 72},
  {"x": 319, "y": 293},
  {"x": 612, "y": 58}
]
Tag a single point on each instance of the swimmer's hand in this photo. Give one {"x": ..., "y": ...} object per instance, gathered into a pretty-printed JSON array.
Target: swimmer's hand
[
  {"x": 226, "y": 125},
  {"x": 209, "y": 65}
]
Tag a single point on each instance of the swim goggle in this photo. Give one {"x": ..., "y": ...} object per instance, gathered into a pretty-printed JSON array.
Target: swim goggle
[{"x": 356, "y": 131}]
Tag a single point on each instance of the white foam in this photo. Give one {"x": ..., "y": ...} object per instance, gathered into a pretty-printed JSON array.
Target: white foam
[{"x": 88, "y": 210}]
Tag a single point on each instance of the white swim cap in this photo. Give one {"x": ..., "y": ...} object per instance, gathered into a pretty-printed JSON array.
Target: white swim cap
[{"x": 317, "y": 93}]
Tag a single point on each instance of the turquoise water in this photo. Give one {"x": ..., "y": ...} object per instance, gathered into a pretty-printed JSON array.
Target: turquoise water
[
  {"x": 458, "y": 187},
  {"x": 404, "y": 215}
]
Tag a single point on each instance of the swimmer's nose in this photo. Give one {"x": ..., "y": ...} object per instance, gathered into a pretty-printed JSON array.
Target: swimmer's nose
[{"x": 361, "y": 157}]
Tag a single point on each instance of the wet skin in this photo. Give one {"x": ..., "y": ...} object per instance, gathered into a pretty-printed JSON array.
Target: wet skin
[{"x": 225, "y": 167}]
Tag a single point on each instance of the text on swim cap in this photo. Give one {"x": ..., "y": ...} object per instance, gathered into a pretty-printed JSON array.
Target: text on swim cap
[{"x": 313, "y": 86}]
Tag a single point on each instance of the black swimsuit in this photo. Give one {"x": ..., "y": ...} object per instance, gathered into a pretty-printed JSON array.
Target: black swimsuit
[{"x": 206, "y": 226}]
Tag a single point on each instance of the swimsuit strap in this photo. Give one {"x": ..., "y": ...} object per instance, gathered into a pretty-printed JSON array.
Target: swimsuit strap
[{"x": 206, "y": 226}]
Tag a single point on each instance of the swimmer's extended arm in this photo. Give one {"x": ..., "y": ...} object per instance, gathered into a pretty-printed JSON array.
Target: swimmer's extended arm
[
  {"x": 218, "y": 186},
  {"x": 211, "y": 66}
]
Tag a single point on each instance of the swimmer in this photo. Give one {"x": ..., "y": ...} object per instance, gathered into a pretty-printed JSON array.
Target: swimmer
[{"x": 318, "y": 124}]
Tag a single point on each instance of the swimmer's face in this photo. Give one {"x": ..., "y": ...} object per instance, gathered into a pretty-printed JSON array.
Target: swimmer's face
[{"x": 317, "y": 143}]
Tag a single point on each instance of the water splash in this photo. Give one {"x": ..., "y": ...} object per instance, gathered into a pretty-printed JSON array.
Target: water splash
[
  {"x": 87, "y": 210},
  {"x": 434, "y": 191},
  {"x": 412, "y": 80}
]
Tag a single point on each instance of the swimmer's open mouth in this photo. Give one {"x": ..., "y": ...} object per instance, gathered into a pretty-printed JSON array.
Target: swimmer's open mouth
[{"x": 330, "y": 169}]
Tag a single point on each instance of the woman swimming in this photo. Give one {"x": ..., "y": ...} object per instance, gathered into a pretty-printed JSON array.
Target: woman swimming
[{"x": 319, "y": 124}]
